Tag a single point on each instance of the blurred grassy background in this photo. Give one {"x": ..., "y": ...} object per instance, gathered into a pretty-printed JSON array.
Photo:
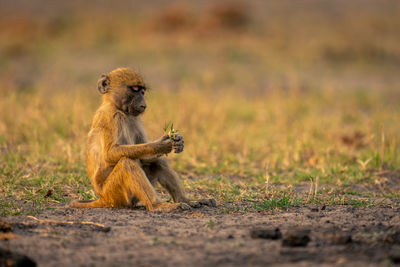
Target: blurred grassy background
[{"x": 264, "y": 92}]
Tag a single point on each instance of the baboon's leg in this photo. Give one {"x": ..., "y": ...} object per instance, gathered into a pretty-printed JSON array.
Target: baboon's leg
[
  {"x": 128, "y": 182},
  {"x": 162, "y": 172},
  {"x": 125, "y": 182}
]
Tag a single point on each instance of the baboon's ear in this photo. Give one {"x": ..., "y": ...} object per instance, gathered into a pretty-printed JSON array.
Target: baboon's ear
[{"x": 103, "y": 84}]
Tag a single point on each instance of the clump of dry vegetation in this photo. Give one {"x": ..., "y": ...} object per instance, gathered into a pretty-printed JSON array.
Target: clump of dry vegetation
[
  {"x": 229, "y": 15},
  {"x": 173, "y": 18},
  {"x": 285, "y": 93},
  {"x": 213, "y": 18}
]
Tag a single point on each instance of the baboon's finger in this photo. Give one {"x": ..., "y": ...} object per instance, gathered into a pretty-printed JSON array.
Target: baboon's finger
[
  {"x": 184, "y": 206},
  {"x": 178, "y": 144},
  {"x": 178, "y": 149},
  {"x": 177, "y": 138},
  {"x": 195, "y": 204},
  {"x": 208, "y": 202}
]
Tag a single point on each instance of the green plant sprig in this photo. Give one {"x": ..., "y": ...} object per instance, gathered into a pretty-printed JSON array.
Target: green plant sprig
[{"x": 169, "y": 130}]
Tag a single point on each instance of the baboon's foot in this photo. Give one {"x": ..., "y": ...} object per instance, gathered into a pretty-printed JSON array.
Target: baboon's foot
[
  {"x": 184, "y": 206},
  {"x": 166, "y": 207},
  {"x": 194, "y": 204},
  {"x": 203, "y": 202},
  {"x": 211, "y": 202}
]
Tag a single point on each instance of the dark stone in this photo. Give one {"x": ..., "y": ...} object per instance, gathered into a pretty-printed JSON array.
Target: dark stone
[
  {"x": 394, "y": 255},
  {"x": 339, "y": 238},
  {"x": 314, "y": 209},
  {"x": 5, "y": 226},
  {"x": 266, "y": 233},
  {"x": 106, "y": 229},
  {"x": 299, "y": 238},
  {"x": 7, "y": 258},
  {"x": 393, "y": 238}
]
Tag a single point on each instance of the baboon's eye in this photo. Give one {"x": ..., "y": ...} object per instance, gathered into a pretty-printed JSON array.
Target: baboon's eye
[{"x": 134, "y": 88}]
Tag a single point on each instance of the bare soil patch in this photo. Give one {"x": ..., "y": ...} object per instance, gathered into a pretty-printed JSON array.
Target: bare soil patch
[{"x": 306, "y": 235}]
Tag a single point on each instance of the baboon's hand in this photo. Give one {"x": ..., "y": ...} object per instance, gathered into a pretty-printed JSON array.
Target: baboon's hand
[
  {"x": 164, "y": 145},
  {"x": 178, "y": 143}
]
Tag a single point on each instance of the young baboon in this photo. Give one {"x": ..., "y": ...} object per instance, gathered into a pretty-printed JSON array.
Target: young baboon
[{"x": 122, "y": 165}]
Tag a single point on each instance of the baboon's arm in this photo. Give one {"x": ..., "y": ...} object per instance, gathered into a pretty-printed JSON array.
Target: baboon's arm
[
  {"x": 114, "y": 149},
  {"x": 114, "y": 152},
  {"x": 177, "y": 146}
]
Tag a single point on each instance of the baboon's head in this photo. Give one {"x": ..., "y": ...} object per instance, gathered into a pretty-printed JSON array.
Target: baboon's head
[{"x": 124, "y": 88}]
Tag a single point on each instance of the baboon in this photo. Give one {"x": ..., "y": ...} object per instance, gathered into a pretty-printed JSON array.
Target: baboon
[{"x": 122, "y": 165}]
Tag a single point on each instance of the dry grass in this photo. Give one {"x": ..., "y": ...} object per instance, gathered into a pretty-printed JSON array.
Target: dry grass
[{"x": 311, "y": 101}]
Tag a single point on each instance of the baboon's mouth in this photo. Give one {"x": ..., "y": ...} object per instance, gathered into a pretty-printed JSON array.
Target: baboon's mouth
[
  {"x": 132, "y": 109},
  {"x": 139, "y": 111},
  {"x": 135, "y": 111}
]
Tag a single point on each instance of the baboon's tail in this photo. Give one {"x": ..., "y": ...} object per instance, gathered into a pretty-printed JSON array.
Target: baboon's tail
[{"x": 87, "y": 204}]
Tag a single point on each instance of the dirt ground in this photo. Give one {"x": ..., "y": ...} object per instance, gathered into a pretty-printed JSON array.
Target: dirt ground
[{"x": 301, "y": 236}]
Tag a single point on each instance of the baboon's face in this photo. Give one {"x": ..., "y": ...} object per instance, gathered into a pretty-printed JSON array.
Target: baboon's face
[
  {"x": 130, "y": 98},
  {"x": 125, "y": 89}
]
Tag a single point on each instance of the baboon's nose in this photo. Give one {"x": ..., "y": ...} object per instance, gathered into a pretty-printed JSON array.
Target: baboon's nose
[{"x": 143, "y": 106}]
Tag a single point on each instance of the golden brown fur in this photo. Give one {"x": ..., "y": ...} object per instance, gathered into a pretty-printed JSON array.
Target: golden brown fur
[{"x": 122, "y": 165}]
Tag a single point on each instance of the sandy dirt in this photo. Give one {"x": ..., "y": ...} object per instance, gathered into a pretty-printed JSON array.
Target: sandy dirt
[{"x": 301, "y": 236}]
